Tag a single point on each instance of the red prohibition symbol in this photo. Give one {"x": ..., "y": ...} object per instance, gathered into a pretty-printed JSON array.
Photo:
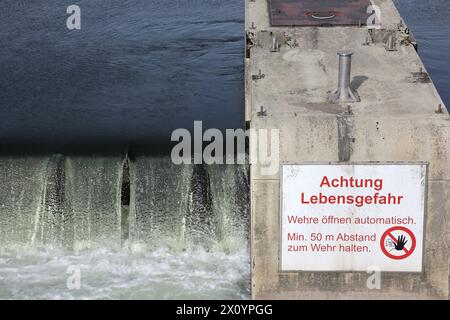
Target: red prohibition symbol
[{"x": 406, "y": 252}]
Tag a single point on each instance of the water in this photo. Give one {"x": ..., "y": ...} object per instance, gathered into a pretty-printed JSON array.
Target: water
[
  {"x": 136, "y": 71},
  {"x": 137, "y": 273},
  {"x": 137, "y": 228},
  {"x": 430, "y": 23},
  {"x": 186, "y": 229}
]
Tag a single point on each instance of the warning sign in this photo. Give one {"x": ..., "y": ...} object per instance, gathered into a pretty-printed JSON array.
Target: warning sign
[
  {"x": 398, "y": 243},
  {"x": 352, "y": 217}
]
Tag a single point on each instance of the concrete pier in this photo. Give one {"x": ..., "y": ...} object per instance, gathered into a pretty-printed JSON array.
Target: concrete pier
[{"x": 400, "y": 118}]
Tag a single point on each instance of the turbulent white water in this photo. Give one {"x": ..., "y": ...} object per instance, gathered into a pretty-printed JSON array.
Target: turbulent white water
[
  {"x": 183, "y": 233},
  {"x": 125, "y": 274}
]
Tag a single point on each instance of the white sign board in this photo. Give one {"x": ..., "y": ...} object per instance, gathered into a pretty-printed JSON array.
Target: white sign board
[{"x": 352, "y": 217}]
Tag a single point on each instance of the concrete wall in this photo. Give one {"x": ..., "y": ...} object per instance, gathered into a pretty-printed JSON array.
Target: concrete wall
[{"x": 395, "y": 121}]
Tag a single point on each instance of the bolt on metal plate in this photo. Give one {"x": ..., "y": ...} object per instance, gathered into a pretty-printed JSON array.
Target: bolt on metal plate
[{"x": 318, "y": 13}]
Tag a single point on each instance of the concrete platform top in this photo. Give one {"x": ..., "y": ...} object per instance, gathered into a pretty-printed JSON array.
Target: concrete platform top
[
  {"x": 400, "y": 118},
  {"x": 297, "y": 79}
]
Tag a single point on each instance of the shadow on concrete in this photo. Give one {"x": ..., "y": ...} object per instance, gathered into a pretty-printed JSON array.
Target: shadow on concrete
[{"x": 357, "y": 82}]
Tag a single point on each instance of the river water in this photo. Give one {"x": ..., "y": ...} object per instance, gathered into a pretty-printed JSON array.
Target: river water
[
  {"x": 135, "y": 71},
  {"x": 430, "y": 23}
]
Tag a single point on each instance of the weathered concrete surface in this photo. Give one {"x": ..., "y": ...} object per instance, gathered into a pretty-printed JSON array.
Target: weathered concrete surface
[{"x": 395, "y": 121}]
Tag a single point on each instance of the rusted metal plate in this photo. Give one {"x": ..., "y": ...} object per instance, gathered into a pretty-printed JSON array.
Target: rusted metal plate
[{"x": 318, "y": 12}]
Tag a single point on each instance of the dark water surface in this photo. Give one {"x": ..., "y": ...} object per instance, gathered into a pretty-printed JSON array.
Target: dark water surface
[
  {"x": 429, "y": 20},
  {"x": 137, "y": 70}
]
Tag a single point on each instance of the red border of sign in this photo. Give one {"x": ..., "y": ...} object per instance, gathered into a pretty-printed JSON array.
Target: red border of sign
[{"x": 388, "y": 232}]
